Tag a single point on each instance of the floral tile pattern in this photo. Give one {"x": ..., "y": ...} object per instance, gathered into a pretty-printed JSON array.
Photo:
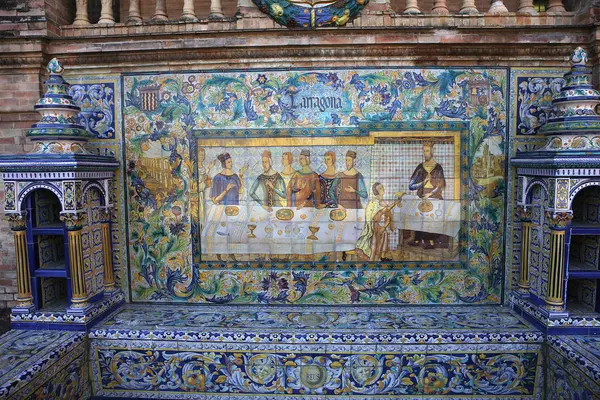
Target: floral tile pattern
[{"x": 29, "y": 359}]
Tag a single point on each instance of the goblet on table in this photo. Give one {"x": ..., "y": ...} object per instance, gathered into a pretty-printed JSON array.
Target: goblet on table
[
  {"x": 252, "y": 227},
  {"x": 313, "y": 230}
]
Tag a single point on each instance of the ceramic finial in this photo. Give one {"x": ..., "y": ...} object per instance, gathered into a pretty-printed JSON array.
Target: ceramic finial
[
  {"x": 578, "y": 57},
  {"x": 55, "y": 67}
]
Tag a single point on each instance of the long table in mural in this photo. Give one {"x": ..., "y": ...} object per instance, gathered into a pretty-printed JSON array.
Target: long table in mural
[{"x": 282, "y": 230}]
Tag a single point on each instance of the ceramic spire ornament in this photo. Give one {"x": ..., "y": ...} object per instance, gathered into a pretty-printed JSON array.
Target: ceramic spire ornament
[
  {"x": 573, "y": 124},
  {"x": 58, "y": 131}
]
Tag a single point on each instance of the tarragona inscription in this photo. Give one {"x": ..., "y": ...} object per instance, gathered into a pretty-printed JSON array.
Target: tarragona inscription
[{"x": 320, "y": 103}]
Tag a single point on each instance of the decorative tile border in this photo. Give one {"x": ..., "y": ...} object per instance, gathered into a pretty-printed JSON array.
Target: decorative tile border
[
  {"x": 62, "y": 319},
  {"x": 564, "y": 323},
  {"x": 125, "y": 368},
  {"x": 582, "y": 351},
  {"x": 50, "y": 349},
  {"x": 327, "y": 325},
  {"x": 566, "y": 380}
]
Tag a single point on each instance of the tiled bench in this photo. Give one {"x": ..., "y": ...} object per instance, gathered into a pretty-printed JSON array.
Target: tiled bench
[
  {"x": 316, "y": 352},
  {"x": 573, "y": 367},
  {"x": 43, "y": 365}
]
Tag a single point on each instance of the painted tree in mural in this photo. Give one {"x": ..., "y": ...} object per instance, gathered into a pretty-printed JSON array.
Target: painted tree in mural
[{"x": 171, "y": 119}]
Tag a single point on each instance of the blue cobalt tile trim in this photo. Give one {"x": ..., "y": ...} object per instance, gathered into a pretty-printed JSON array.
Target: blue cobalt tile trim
[
  {"x": 319, "y": 325},
  {"x": 572, "y": 371},
  {"x": 24, "y": 355},
  {"x": 58, "y": 320}
]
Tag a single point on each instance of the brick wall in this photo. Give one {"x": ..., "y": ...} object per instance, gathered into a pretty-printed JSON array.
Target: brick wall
[
  {"x": 18, "y": 94},
  {"x": 60, "y": 12},
  {"x": 22, "y": 17}
]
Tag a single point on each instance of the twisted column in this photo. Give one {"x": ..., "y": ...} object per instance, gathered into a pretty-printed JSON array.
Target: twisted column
[
  {"x": 81, "y": 14},
  {"x": 18, "y": 226}
]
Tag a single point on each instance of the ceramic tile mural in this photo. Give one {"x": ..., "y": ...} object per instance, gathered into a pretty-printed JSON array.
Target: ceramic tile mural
[
  {"x": 43, "y": 364},
  {"x": 531, "y": 92},
  {"x": 100, "y": 100},
  {"x": 287, "y": 186},
  {"x": 97, "y": 102}
]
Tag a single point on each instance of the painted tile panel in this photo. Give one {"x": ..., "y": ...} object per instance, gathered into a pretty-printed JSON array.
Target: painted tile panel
[{"x": 182, "y": 129}]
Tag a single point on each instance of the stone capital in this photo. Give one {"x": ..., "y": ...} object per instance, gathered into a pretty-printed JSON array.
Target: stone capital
[
  {"x": 558, "y": 220},
  {"x": 74, "y": 221},
  {"x": 17, "y": 221}
]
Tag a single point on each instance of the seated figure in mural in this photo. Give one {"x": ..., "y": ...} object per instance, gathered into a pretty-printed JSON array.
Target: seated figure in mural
[
  {"x": 304, "y": 189},
  {"x": 286, "y": 174},
  {"x": 269, "y": 188},
  {"x": 349, "y": 186},
  {"x": 227, "y": 185},
  {"x": 372, "y": 244},
  {"x": 326, "y": 180},
  {"x": 428, "y": 180}
]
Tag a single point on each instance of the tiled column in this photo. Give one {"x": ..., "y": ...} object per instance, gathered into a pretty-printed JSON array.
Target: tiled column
[
  {"x": 18, "y": 226},
  {"x": 216, "y": 11},
  {"x": 160, "y": 12},
  {"x": 134, "y": 11},
  {"x": 106, "y": 13},
  {"x": 81, "y": 15},
  {"x": 468, "y": 7},
  {"x": 412, "y": 7},
  {"x": 497, "y": 7},
  {"x": 525, "y": 214},
  {"x": 558, "y": 222},
  {"x": 189, "y": 12},
  {"x": 109, "y": 278},
  {"x": 526, "y": 7},
  {"x": 74, "y": 222},
  {"x": 440, "y": 7},
  {"x": 556, "y": 6}
]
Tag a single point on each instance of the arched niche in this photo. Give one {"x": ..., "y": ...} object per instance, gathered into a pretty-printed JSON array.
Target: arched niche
[
  {"x": 47, "y": 248},
  {"x": 584, "y": 249}
]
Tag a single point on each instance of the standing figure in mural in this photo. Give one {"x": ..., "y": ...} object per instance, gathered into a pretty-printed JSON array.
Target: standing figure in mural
[
  {"x": 349, "y": 186},
  {"x": 286, "y": 160},
  {"x": 428, "y": 180},
  {"x": 226, "y": 185},
  {"x": 269, "y": 188},
  {"x": 304, "y": 189},
  {"x": 372, "y": 244},
  {"x": 204, "y": 181},
  {"x": 326, "y": 181}
]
